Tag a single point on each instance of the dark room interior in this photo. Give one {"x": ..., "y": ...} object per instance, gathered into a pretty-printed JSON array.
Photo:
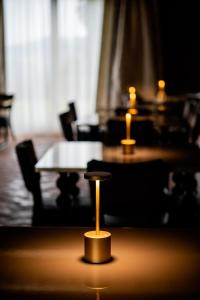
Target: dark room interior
[{"x": 99, "y": 149}]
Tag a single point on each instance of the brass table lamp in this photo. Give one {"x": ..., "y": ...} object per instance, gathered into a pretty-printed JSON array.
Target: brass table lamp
[
  {"x": 97, "y": 243},
  {"x": 132, "y": 101},
  {"x": 161, "y": 91},
  {"x": 128, "y": 143}
]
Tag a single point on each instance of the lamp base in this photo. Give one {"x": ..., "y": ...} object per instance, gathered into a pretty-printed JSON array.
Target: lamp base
[
  {"x": 128, "y": 146},
  {"x": 97, "y": 246},
  {"x": 133, "y": 111}
]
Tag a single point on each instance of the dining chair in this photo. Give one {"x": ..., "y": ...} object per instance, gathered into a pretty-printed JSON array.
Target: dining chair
[
  {"x": 194, "y": 132},
  {"x": 27, "y": 159},
  {"x": 72, "y": 109},
  {"x": 184, "y": 129},
  {"x": 6, "y": 102},
  {"x": 135, "y": 194},
  {"x": 68, "y": 126},
  {"x": 184, "y": 209},
  {"x": 43, "y": 212},
  {"x": 85, "y": 131}
]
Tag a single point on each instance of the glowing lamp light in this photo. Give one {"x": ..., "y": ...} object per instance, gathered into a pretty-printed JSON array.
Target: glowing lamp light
[
  {"x": 128, "y": 126},
  {"x": 128, "y": 143},
  {"x": 97, "y": 243},
  {"x": 161, "y": 84},
  {"x": 132, "y": 110},
  {"x": 132, "y": 101},
  {"x": 132, "y": 90},
  {"x": 161, "y": 90}
]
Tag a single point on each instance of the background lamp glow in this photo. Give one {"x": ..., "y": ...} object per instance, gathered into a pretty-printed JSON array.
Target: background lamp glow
[
  {"x": 161, "y": 84},
  {"x": 128, "y": 143},
  {"x": 132, "y": 90}
]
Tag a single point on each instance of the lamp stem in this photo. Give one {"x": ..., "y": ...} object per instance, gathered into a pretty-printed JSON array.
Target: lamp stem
[
  {"x": 128, "y": 126},
  {"x": 97, "y": 205},
  {"x": 97, "y": 295}
]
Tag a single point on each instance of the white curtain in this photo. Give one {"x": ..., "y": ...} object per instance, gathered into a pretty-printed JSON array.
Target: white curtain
[
  {"x": 130, "y": 53},
  {"x": 52, "y": 50}
]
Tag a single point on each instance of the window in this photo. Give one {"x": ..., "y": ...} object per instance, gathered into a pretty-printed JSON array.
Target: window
[{"x": 52, "y": 56}]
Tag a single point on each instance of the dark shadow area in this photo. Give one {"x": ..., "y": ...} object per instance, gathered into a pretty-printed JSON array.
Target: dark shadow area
[
  {"x": 111, "y": 260},
  {"x": 180, "y": 45}
]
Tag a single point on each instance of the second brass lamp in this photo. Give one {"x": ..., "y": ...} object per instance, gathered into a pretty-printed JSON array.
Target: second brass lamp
[
  {"x": 128, "y": 143},
  {"x": 97, "y": 243}
]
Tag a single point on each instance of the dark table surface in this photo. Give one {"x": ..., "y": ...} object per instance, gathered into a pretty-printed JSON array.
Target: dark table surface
[
  {"x": 41, "y": 263},
  {"x": 185, "y": 158}
]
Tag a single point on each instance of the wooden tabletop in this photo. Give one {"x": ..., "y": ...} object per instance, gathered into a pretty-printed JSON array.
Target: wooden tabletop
[
  {"x": 184, "y": 158},
  {"x": 74, "y": 156},
  {"x": 46, "y": 263}
]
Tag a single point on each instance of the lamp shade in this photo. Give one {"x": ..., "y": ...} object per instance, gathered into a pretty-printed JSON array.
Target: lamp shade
[{"x": 101, "y": 176}]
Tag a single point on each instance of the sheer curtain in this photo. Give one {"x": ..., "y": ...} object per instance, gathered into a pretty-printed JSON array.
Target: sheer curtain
[
  {"x": 130, "y": 51},
  {"x": 52, "y": 52}
]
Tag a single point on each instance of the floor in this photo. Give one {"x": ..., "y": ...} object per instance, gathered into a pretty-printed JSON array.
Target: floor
[{"x": 15, "y": 201}]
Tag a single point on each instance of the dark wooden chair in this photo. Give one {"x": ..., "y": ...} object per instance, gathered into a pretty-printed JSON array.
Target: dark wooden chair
[
  {"x": 183, "y": 129},
  {"x": 67, "y": 125},
  {"x": 27, "y": 159},
  {"x": 42, "y": 214},
  {"x": 72, "y": 109},
  {"x": 85, "y": 131},
  {"x": 194, "y": 132},
  {"x": 135, "y": 194},
  {"x": 184, "y": 210},
  {"x": 6, "y": 102}
]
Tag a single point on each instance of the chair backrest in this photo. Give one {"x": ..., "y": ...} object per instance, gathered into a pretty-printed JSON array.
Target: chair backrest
[
  {"x": 27, "y": 159},
  {"x": 142, "y": 131},
  {"x": 195, "y": 128},
  {"x": 6, "y": 102},
  {"x": 135, "y": 190},
  {"x": 174, "y": 108},
  {"x": 191, "y": 117},
  {"x": 6, "y": 96},
  {"x": 72, "y": 109},
  {"x": 66, "y": 122}
]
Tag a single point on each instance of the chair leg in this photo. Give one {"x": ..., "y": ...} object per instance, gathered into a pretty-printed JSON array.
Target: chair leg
[{"x": 12, "y": 134}]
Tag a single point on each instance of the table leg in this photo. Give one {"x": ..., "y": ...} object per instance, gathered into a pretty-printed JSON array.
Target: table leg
[{"x": 68, "y": 189}]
